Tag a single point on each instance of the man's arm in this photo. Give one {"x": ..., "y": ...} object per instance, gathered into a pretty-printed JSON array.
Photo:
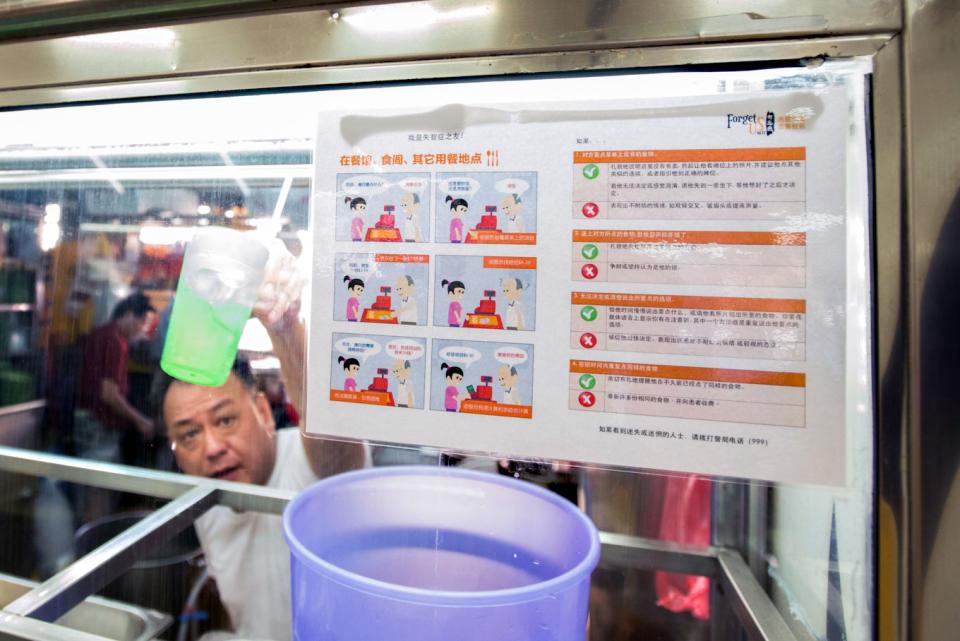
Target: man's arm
[
  {"x": 327, "y": 457},
  {"x": 278, "y": 308},
  {"x": 111, "y": 397}
]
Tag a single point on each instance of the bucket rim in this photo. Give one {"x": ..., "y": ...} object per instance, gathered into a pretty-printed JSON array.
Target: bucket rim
[{"x": 461, "y": 598}]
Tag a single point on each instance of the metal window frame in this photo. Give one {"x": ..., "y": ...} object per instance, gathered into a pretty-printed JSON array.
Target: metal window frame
[{"x": 664, "y": 35}]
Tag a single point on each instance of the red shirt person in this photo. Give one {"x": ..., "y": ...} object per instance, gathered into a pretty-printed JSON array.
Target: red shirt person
[{"x": 104, "y": 386}]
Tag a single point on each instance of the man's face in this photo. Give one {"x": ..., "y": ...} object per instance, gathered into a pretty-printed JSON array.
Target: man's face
[
  {"x": 510, "y": 290},
  {"x": 402, "y": 373},
  {"x": 408, "y": 206},
  {"x": 510, "y": 207},
  {"x": 403, "y": 287},
  {"x": 221, "y": 432},
  {"x": 505, "y": 378},
  {"x": 134, "y": 327}
]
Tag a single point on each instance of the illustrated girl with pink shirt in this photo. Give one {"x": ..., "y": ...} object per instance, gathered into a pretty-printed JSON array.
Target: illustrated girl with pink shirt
[
  {"x": 455, "y": 291},
  {"x": 354, "y": 289},
  {"x": 357, "y": 207},
  {"x": 452, "y": 396},
  {"x": 351, "y": 367},
  {"x": 458, "y": 209}
]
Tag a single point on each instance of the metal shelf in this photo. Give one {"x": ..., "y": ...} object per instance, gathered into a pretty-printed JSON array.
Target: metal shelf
[{"x": 30, "y": 616}]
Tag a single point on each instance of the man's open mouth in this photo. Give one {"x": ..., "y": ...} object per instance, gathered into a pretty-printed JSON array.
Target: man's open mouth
[{"x": 225, "y": 472}]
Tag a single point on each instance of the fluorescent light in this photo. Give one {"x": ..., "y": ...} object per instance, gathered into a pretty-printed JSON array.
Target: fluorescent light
[
  {"x": 52, "y": 213},
  {"x": 49, "y": 235},
  {"x": 212, "y": 172}
]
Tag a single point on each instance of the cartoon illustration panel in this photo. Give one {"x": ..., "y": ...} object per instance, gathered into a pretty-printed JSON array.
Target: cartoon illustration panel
[
  {"x": 381, "y": 288},
  {"x": 487, "y": 207},
  {"x": 480, "y": 377},
  {"x": 486, "y": 292},
  {"x": 390, "y": 207},
  {"x": 378, "y": 370}
]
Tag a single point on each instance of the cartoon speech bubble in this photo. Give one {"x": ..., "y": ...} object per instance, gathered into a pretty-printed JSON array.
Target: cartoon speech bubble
[
  {"x": 365, "y": 185},
  {"x": 404, "y": 349},
  {"x": 459, "y": 186},
  {"x": 357, "y": 266},
  {"x": 358, "y": 346},
  {"x": 510, "y": 355},
  {"x": 512, "y": 186},
  {"x": 413, "y": 184},
  {"x": 460, "y": 354}
]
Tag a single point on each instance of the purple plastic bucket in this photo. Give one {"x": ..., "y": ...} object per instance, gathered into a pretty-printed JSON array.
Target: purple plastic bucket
[{"x": 434, "y": 554}]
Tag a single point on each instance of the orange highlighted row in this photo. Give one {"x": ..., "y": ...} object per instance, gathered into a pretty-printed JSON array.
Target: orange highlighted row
[
  {"x": 689, "y": 237},
  {"x": 368, "y": 398},
  {"x": 509, "y": 262},
  {"x": 691, "y": 302},
  {"x": 487, "y": 236},
  {"x": 752, "y": 377},
  {"x": 401, "y": 258},
  {"x": 690, "y": 155},
  {"x": 471, "y": 406}
]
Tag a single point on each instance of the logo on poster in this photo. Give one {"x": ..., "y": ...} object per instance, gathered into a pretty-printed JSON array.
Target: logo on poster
[{"x": 755, "y": 124}]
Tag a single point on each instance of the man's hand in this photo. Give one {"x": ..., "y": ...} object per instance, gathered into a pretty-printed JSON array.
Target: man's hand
[
  {"x": 278, "y": 298},
  {"x": 278, "y": 308}
]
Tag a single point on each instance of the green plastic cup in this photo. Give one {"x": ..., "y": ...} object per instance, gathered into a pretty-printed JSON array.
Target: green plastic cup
[{"x": 222, "y": 271}]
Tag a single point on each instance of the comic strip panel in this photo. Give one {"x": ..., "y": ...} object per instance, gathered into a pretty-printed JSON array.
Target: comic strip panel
[
  {"x": 381, "y": 288},
  {"x": 487, "y": 207},
  {"x": 378, "y": 370},
  {"x": 486, "y": 292},
  {"x": 390, "y": 207},
  {"x": 481, "y": 377}
]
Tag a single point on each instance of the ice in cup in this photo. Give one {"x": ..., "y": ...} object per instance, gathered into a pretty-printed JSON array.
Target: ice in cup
[{"x": 222, "y": 271}]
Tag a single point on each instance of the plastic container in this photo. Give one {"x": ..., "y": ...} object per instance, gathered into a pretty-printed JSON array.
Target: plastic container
[
  {"x": 434, "y": 554},
  {"x": 222, "y": 271}
]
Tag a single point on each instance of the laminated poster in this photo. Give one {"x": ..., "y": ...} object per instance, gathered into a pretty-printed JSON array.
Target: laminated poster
[{"x": 595, "y": 270}]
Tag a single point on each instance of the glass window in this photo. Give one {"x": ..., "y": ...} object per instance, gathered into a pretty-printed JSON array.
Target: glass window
[{"x": 97, "y": 205}]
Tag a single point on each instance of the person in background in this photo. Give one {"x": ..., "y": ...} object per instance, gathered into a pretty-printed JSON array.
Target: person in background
[
  {"x": 106, "y": 415},
  {"x": 228, "y": 433}
]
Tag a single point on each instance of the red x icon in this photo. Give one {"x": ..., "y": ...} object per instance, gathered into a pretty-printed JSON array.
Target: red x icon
[
  {"x": 588, "y": 340},
  {"x": 589, "y": 271},
  {"x": 590, "y": 210},
  {"x": 587, "y": 399}
]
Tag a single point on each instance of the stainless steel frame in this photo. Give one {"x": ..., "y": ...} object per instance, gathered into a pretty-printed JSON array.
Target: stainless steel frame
[
  {"x": 914, "y": 105},
  {"x": 28, "y": 617}
]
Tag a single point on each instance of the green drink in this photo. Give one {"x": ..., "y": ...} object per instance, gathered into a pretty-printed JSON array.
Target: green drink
[{"x": 222, "y": 271}]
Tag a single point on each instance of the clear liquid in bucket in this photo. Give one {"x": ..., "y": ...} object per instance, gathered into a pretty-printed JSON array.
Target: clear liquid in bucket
[
  {"x": 431, "y": 559},
  {"x": 201, "y": 342}
]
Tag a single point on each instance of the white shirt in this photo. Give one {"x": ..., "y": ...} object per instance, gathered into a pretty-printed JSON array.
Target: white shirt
[
  {"x": 408, "y": 310},
  {"x": 513, "y": 315},
  {"x": 514, "y": 225},
  {"x": 403, "y": 394},
  {"x": 510, "y": 396},
  {"x": 247, "y": 555},
  {"x": 410, "y": 228}
]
